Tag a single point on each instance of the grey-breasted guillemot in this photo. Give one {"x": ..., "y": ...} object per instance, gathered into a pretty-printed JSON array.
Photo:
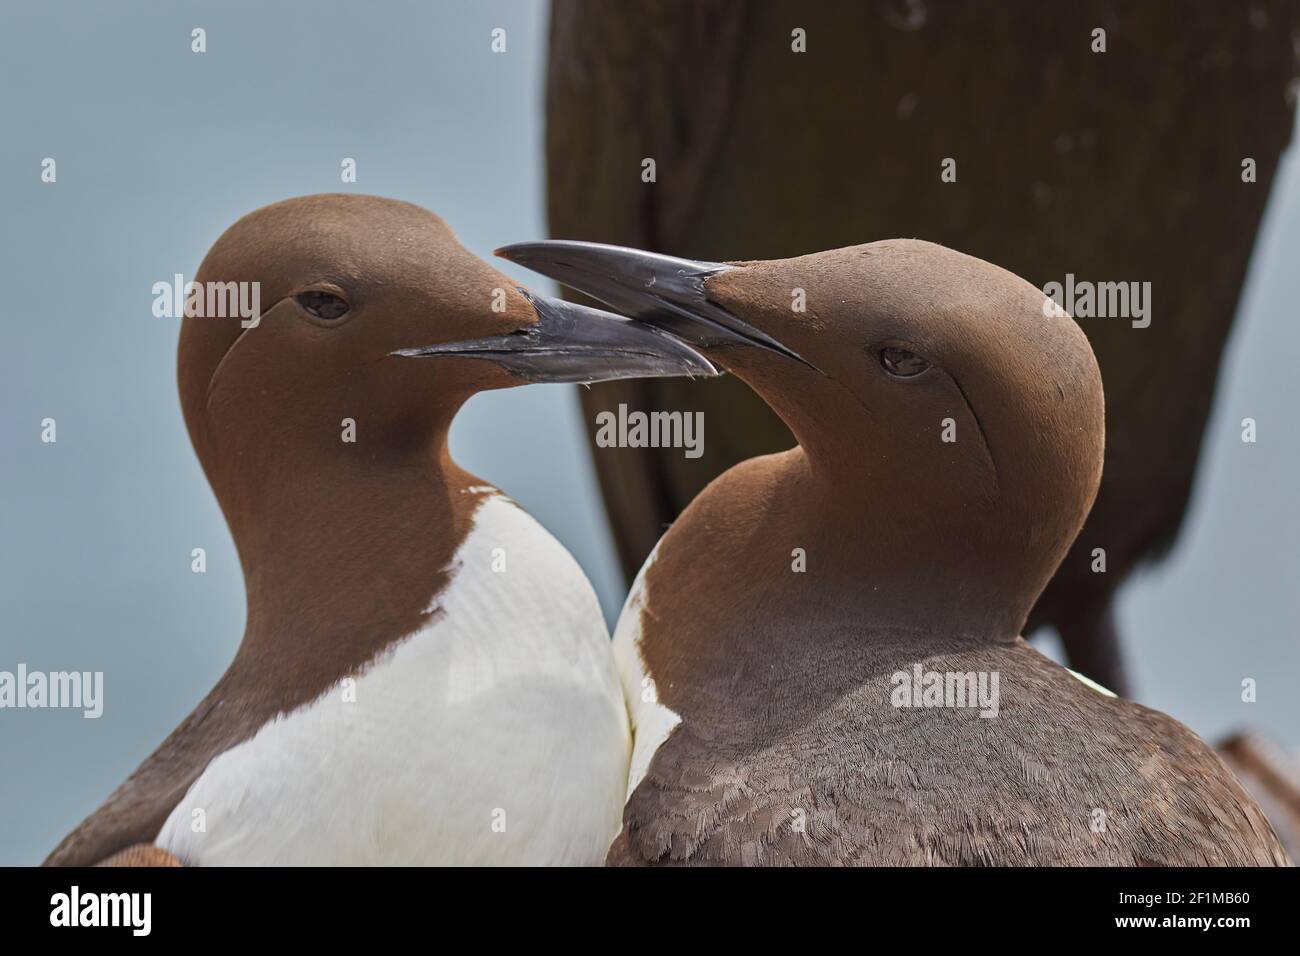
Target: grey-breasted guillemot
[
  {"x": 425, "y": 675},
  {"x": 823, "y": 655}
]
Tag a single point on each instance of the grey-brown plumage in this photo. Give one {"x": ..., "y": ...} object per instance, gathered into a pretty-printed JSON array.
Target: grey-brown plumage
[
  {"x": 1117, "y": 166},
  {"x": 871, "y": 784}
]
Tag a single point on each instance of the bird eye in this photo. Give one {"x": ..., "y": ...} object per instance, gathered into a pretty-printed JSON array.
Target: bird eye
[
  {"x": 902, "y": 363},
  {"x": 323, "y": 305}
]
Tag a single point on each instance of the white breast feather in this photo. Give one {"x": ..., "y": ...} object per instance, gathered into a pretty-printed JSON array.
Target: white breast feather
[
  {"x": 495, "y": 734},
  {"x": 652, "y": 722}
]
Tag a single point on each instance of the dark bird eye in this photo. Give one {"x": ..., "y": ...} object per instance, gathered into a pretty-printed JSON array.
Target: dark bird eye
[
  {"x": 902, "y": 363},
  {"x": 323, "y": 305}
]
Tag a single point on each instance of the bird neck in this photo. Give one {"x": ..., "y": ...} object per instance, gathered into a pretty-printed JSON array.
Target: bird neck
[
  {"x": 345, "y": 557},
  {"x": 780, "y": 587},
  {"x": 846, "y": 547},
  {"x": 900, "y": 546}
]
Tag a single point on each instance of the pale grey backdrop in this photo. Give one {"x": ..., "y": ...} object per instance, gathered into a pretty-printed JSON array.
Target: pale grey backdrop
[{"x": 159, "y": 149}]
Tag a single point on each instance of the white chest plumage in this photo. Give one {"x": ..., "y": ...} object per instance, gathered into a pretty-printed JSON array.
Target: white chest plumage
[
  {"x": 652, "y": 722},
  {"x": 495, "y": 734}
]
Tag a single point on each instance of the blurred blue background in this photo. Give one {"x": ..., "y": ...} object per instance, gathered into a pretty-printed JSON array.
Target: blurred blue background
[{"x": 159, "y": 149}]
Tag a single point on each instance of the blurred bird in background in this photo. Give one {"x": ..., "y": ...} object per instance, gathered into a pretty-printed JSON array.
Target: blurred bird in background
[{"x": 1099, "y": 140}]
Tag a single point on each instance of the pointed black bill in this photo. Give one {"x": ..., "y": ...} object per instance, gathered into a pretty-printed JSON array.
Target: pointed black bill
[
  {"x": 660, "y": 290},
  {"x": 577, "y": 344}
]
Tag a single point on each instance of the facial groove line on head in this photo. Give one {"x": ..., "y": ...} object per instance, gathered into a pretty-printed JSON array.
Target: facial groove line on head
[
  {"x": 212, "y": 381},
  {"x": 984, "y": 438}
]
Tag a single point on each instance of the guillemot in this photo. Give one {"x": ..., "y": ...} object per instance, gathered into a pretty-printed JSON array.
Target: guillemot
[
  {"x": 425, "y": 675},
  {"x": 950, "y": 447}
]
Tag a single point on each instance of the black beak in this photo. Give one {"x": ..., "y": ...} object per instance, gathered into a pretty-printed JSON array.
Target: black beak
[
  {"x": 659, "y": 290},
  {"x": 574, "y": 343}
]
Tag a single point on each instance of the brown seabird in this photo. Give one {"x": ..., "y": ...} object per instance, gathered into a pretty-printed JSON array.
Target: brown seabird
[
  {"x": 425, "y": 675},
  {"x": 823, "y": 655}
]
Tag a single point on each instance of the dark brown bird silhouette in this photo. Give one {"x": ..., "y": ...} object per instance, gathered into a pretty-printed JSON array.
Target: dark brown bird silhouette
[{"x": 1127, "y": 165}]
